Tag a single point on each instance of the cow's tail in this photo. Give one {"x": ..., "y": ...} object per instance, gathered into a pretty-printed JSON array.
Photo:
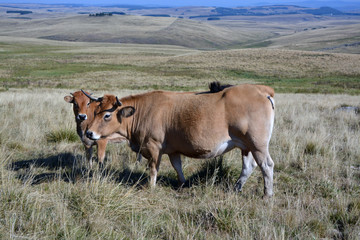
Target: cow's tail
[
  {"x": 271, "y": 101},
  {"x": 218, "y": 87},
  {"x": 269, "y": 93}
]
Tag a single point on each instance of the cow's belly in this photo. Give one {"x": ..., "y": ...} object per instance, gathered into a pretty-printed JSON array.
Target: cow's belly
[{"x": 219, "y": 148}]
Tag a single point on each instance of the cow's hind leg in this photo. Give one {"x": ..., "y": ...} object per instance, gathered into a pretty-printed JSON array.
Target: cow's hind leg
[
  {"x": 266, "y": 165},
  {"x": 176, "y": 163},
  {"x": 247, "y": 168}
]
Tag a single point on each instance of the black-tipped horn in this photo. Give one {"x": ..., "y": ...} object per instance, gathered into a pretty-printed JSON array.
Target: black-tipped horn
[
  {"x": 91, "y": 98},
  {"x": 118, "y": 102}
]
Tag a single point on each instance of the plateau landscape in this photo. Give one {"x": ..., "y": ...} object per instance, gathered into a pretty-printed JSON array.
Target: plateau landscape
[{"x": 309, "y": 54}]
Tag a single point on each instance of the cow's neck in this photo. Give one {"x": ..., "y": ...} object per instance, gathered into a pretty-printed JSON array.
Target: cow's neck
[{"x": 80, "y": 128}]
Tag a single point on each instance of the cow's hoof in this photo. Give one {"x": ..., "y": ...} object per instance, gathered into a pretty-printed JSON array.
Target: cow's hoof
[
  {"x": 101, "y": 166},
  {"x": 238, "y": 188},
  {"x": 267, "y": 197}
]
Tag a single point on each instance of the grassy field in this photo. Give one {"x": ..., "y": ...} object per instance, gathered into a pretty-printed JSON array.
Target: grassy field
[
  {"x": 47, "y": 191},
  {"x": 99, "y": 66}
]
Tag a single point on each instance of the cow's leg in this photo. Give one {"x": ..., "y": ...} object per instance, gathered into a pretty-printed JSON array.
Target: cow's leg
[
  {"x": 154, "y": 164},
  {"x": 101, "y": 148},
  {"x": 176, "y": 163},
  {"x": 266, "y": 165},
  {"x": 138, "y": 157},
  {"x": 247, "y": 168},
  {"x": 89, "y": 151}
]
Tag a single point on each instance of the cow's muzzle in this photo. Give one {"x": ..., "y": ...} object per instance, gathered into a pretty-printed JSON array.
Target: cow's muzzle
[
  {"x": 92, "y": 135},
  {"x": 81, "y": 117}
]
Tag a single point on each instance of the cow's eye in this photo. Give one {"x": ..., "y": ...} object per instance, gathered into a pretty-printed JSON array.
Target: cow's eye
[
  {"x": 107, "y": 116},
  {"x": 88, "y": 104}
]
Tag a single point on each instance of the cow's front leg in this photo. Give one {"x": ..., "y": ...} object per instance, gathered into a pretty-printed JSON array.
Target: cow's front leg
[
  {"x": 154, "y": 163},
  {"x": 101, "y": 148},
  {"x": 153, "y": 173},
  {"x": 151, "y": 149},
  {"x": 89, "y": 151}
]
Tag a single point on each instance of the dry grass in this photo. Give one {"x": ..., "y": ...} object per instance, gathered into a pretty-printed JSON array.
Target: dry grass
[{"x": 47, "y": 191}]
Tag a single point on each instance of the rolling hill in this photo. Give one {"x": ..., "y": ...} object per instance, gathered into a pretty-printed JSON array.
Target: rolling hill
[
  {"x": 344, "y": 39},
  {"x": 290, "y": 27},
  {"x": 127, "y": 29}
]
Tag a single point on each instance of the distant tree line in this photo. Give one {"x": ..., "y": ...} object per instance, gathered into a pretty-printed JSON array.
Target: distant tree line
[
  {"x": 102, "y": 14},
  {"x": 156, "y": 15},
  {"x": 20, "y": 11},
  {"x": 324, "y": 11},
  {"x": 213, "y": 18},
  {"x": 268, "y": 11}
]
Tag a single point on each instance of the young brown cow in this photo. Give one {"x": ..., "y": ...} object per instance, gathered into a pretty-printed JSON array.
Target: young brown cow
[{"x": 84, "y": 114}]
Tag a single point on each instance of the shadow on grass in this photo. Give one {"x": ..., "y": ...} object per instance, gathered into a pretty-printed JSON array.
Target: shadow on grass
[
  {"x": 67, "y": 161},
  {"x": 212, "y": 171},
  {"x": 74, "y": 171},
  {"x": 62, "y": 160}
]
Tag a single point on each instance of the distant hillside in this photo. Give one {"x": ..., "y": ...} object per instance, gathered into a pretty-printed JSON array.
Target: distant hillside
[
  {"x": 183, "y": 12},
  {"x": 127, "y": 29},
  {"x": 277, "y": 26},
  {"x": 270, "y": 11},
  {"x": 335, "y": 39}
]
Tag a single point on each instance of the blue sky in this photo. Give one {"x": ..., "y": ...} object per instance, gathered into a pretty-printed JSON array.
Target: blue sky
[{"x": 226, "y": 3}]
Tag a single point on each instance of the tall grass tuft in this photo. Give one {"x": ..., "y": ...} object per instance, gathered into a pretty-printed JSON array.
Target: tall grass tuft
[{"x": 62, "y": 135}]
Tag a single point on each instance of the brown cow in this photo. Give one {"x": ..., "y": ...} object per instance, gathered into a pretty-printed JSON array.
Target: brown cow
[
  {"x": 197, "y": 125},
  {"x": 84, "y": 114}
]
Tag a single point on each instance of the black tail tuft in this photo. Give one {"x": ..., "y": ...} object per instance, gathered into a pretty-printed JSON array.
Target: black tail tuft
[
  {"x": 217, "y": 87},
  {"x": 272, "y": 103}
]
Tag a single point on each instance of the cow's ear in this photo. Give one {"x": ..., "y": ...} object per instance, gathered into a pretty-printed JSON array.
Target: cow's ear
[
  {"x": 68, "y": 99},
  {"x": 125, "y": 112}
]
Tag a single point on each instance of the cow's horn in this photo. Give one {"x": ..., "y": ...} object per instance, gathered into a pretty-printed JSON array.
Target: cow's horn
[
  {"x": 118, "y": 102},
  {"x": 91, "y": 98}
]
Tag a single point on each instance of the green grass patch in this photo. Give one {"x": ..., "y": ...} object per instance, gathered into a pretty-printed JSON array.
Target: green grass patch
[
  {"x": 45, "y": 69},
  {"x": 235, "y": 73},
  {"x": 62, "y": 135},
  {"x": 324, "y": 85},
  {"x": 259, "y": 44},
  {"x": 164, "y": 87},
  {"x": 57, "y": 67}
]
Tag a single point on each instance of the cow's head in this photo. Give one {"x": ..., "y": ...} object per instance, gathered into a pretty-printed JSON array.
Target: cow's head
[
  {"x": 109, "y": 117},
  {"x": 82, "y": 105}
]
